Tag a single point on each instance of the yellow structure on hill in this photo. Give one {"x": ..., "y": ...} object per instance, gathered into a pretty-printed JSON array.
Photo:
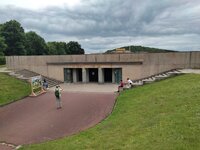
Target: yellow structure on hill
[{"x": 121, "y": 50}]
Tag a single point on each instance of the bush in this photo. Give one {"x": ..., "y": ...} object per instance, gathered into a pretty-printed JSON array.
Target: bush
[{"x": 2, "y": 60}]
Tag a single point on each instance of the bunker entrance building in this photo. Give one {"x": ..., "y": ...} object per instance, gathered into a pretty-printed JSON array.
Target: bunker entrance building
[{"x": 104, "y": 68}]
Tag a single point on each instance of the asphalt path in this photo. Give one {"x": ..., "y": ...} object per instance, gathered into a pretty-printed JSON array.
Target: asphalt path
[{"x": 36, "y": 119}]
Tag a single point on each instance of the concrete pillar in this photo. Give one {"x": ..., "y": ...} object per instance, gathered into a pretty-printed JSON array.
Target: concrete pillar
[
  {"x": 74, "y": 76},
  {"x": 87, "y": 75},
  {"x": 113, "y": 75},
  {"x": 100, "y": 75},
  {"x": 84, "y": 75},
  {"x": 103, "y": 76}
]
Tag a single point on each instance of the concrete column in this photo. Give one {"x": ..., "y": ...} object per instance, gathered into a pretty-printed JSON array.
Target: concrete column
[
  {"x": 74, "y": 76},
  {"x": 100, "y": 75},
  {"x": 84, "y": 75},
  {"x": 113, "y": 75},
  {"x": 103, "y": 76},
  {"x": 87, "y": 75}
]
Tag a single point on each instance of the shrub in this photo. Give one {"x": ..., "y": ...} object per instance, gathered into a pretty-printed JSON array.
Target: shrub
[{"x": 2, "y": 60}]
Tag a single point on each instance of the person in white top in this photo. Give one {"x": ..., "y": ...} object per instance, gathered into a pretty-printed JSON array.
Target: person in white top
[{"x": 129, "y": 82}]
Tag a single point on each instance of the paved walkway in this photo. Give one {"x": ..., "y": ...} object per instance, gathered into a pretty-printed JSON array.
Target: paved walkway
[
  {"x": 4, "y": 69},
  {"x": 88, "y": 87},
  {"x": 4, "y": 147},
  {"x": 196, "y": 71},
  {"x": 34, "y": 120}
]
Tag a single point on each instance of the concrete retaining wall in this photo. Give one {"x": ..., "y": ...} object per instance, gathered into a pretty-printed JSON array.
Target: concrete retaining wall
[{"x": 134, "y": 66}]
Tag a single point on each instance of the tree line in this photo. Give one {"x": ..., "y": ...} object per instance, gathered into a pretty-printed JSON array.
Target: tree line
[
  {"x": 142, "y": 49},
  {"x": 14, "y": 41}
]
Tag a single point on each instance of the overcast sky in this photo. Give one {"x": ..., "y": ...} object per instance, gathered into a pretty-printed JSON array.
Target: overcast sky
[{"x": 99, "y": 25}]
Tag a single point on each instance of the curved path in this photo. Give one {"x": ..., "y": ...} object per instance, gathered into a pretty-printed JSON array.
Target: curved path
[{"x": 34, "y": 120}]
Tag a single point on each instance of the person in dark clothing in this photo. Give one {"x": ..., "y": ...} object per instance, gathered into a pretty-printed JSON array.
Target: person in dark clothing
[
  {"x": 45, "y": 84},
  {"x": 121, "y": 85}
]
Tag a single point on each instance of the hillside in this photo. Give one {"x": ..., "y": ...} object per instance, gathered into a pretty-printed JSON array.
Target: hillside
[
  {"x": 142, "y": 49},
  {"x": 12, "y": 89},
  {"x": 162, "y": 115}
]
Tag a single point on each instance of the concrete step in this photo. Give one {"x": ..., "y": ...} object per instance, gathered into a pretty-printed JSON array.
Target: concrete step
[
  {"x": 160, "y": 77},
  {"x": 51, "y": 82},
  {"x": 138, "y": 83},
  {"x": 5, "y": 70},
  {"x": 149, "y": 80},
  {"x": 27, "y": 74},
  {"x": 156, "y": 77}
]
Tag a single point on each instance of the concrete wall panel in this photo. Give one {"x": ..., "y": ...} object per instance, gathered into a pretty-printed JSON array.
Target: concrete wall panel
[
  {"x": 152, "y": 63},
  {"x": 56, "y": 72},
  {"x": 107, "y": 58},
  {"x": 131, "y": 58},
  {"x": 195, "y": 60},
  {"x": 133, "y": 72},
  {"x": 78, "y": 58},
  {"x": 90, "y": 58}
]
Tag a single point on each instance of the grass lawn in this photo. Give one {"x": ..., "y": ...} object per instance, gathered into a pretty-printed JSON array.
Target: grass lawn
[
  {"x": 12, "y": 89},
  {"x": 160, "y": 116}
]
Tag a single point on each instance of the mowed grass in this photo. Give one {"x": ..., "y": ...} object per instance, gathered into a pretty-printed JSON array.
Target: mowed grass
[
  {"x": 160, "y": 116},
  {"x": 12, "y": 89}
]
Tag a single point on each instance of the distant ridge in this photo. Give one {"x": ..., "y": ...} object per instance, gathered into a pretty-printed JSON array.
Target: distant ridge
[{"x": 141, "y": 49}]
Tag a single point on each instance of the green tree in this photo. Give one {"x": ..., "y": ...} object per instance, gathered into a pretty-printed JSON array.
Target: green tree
[
  {"x": 51, "y": 48},
  {"x": 35, "y": 44},
  {"x": 14, "y": 37},
  {"x": 74, "y": 48},
  {"x": 3, "y": 46},
  {"x": 62, "y": 48},
  {"x": 2, "y": 50},
  {"x": 56, "y": 48}
]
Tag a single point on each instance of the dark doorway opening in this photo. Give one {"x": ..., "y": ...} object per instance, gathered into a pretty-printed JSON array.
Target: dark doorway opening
[
  {"x": 118, "y": 75},
  {"x": 68, "y": 75},
  {"x": 93, "y": 75},
  {"x": 79, "y": 75},
  {"x": 108, "y": 75}
]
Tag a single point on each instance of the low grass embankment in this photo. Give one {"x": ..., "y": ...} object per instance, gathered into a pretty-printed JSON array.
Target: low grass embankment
[
  {"x": 163, "y": 115},
  {"x": 12, "y": 89}
]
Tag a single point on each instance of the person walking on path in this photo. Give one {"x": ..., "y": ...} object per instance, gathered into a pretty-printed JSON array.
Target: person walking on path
[{"x": 58, "y": 96}]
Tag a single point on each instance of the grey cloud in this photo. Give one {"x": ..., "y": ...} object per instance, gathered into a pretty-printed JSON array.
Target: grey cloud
[{"x": 110, "y": 23}]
